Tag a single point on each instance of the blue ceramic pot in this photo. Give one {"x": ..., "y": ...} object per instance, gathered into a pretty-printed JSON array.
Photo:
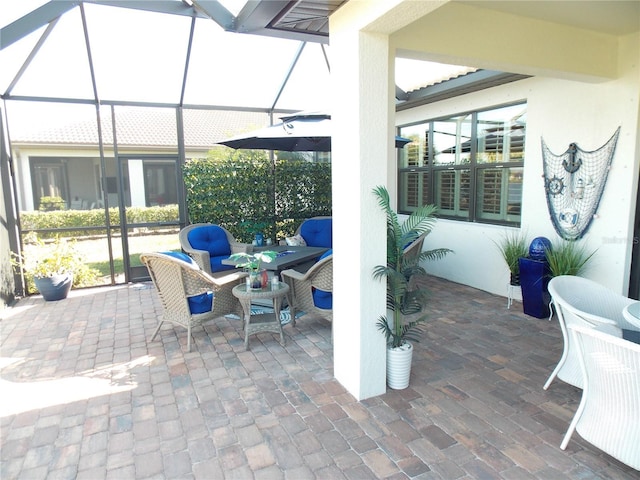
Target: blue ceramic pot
[{"x": 54, "y": 288}]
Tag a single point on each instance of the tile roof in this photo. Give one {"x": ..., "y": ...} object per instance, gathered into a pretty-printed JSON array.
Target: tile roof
[{"x": 151, "y": 127}]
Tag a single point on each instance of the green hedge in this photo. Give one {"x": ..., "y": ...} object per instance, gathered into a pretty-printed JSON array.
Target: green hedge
[
  {"x": 245, "y": 193},
  {"x": 57, "y": 219},
  {"x": 241, "y": 190}
]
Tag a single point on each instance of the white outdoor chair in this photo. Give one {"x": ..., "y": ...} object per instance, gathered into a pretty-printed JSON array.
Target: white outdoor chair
[
  {"x": 608, "y": 416},
  {"x": 583, "y": 302},
  {"x": 190, "y": 296}
]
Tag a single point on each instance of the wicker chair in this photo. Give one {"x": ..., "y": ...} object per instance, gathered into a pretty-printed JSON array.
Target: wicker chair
[
  {"x": 209, "y": 244},
  {"x": 316, "y": 232},
  {"x": 415, "y": 247},
  {"x": 310, "y": 292},
  {"x": 583, "y": 302},
  {"x": 608, "y": 416},
  {"x": 188, "y": 295}
]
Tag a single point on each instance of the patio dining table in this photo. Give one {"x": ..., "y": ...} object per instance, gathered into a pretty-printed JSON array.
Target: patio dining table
[{"x": 288, "y": 257}]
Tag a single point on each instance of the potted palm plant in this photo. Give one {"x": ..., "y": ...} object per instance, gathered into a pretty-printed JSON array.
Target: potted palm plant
[
  {"x": 405, "y": 297},
  {"x": 51, "y": 268},
  {"x": 252, "y": 263}
]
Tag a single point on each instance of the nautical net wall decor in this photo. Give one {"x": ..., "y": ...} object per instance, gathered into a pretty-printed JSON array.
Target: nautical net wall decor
[{"x": 574, "y": 182}]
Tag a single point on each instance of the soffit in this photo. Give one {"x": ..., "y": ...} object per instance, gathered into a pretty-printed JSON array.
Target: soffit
[{"x": 612, "y": 17}]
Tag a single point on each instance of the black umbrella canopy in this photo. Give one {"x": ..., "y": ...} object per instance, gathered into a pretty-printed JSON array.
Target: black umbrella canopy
[{"x": 300, "y": 132}]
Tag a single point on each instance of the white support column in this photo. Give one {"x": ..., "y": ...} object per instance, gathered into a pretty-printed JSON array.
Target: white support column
[
  {"x": 136, "y": 183},
  {"x": 362, "y": 146}
]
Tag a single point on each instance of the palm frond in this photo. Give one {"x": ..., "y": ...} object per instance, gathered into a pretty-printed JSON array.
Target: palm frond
[{"x": 435, "y": 254}]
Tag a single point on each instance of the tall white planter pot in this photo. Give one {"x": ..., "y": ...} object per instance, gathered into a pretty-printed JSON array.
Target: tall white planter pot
[{"x": 399, "y": 366}]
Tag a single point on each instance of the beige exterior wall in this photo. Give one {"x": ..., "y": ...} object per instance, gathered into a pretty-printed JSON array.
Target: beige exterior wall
[
  {"x": 586, "y": 86},
  {"x": 561, "y": 112}
]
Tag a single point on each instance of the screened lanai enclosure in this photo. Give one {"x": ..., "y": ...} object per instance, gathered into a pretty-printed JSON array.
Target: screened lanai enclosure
[{"x": 105, "y": 101}]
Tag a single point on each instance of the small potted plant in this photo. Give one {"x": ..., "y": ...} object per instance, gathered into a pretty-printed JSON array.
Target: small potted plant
[
  {"x": 566, "y": 257},
  {"x": 51, "y": 268},
  {"x": 252, "y": 263},
  {"x": 513, "y": 246},
  {"x": 404, "y": 296}
]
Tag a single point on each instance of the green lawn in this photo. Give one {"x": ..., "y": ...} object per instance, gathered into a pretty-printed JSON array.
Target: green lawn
[{"x": 96, "y": 252}]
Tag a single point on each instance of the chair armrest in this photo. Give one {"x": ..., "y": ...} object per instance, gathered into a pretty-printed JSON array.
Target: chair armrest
[
  {"x": 201, "y": 257},
  {"x": 231, "y": 278},
  {"x": 237, "y": 247},
  {"x": 296, "y": 275}
]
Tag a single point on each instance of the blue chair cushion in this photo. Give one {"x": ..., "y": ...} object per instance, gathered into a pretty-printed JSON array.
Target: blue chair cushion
[
  {"x": 321, "y": 298},
  {"x": 201, "y": 303},
  {"x": 317, "y": 232},
  {"x": 212, "y": 239},
  {"x": 180, "y": 256},
  {"x": 631, "y": 335},
  {"x": 216, "y": 264}
]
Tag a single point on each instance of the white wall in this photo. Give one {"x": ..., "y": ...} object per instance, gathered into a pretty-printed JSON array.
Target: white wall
[{"x": 561, "y": 112}]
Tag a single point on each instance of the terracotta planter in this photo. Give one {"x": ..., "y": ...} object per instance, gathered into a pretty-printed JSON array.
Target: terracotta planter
[
  {"x": 54, "y": 288},
  {"x": 399, "y": 366}
]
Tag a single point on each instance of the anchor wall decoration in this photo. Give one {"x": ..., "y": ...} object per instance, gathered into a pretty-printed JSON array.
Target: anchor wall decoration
[{"x": 574, "y": 182}]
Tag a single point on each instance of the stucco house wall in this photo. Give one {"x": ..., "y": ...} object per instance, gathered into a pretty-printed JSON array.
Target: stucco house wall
[{"x": 561, "y": 112}]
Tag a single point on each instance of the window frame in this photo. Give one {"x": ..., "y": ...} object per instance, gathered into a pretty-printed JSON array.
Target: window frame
[{"x": 428, "y": 171}]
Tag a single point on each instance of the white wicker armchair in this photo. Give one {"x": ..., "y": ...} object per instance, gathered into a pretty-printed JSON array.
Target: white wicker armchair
[
  {"x": 188, "y": 295},
  {"x": 583, "y": 302},
  {"x": 203, "y": 257},
  {"x": 608, "y": 416},
  {"x": 302, "y": 286}
]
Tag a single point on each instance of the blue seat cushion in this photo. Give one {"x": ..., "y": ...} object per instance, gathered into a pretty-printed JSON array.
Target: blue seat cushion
[
  {"x": 201, "y": 303},
  {"x": 180, "y": 256},
  {"x": 321, "y": 298},
  {"x": 212, "y": 239},
  {"x": 317, "y": 232},
  {"x": 216, "y": 264},
  {"x": 631, "y": 335}
]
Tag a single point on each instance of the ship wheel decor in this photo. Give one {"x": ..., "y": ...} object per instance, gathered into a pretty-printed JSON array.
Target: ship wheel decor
[{"x": 574, "y": 182}]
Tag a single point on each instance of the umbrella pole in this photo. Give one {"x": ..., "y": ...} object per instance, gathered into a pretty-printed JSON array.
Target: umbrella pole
[{"x": 272, "y": 157}]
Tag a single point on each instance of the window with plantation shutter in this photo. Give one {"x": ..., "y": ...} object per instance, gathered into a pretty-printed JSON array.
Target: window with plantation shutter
[
  {"x": 489, "y": 191},
  {"x": 469, "y": 165}
]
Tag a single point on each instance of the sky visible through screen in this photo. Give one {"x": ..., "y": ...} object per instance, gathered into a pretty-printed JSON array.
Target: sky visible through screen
[{"x": 248, "y": 73}]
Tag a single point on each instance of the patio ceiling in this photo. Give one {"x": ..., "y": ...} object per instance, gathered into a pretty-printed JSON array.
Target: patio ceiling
[
  {"x": 201, "y": 62},
  {"x": 190, "y": 52}
]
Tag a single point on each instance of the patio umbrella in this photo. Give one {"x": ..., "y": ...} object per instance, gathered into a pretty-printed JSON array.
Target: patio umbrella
[{"x": 300, "y": 132}]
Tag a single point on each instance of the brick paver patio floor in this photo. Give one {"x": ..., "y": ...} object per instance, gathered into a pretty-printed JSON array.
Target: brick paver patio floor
[{"x": 85, "y": 395}]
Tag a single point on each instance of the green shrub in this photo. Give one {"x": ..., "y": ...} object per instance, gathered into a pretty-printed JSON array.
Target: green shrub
[
  {"x": 82, "y": 219},
  {"x": 57, "y": 258},
  {"x": 48, "y": 204},
  {"x": 244, "y": 192}
]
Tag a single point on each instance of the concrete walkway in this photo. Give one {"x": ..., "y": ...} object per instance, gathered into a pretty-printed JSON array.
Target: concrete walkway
[{"x": 85, "y": 395}]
